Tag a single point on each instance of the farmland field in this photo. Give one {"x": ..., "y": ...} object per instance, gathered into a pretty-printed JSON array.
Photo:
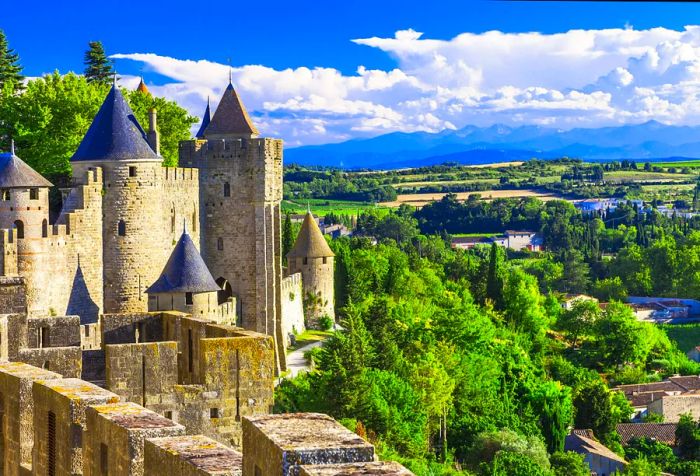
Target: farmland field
[
  {"x": 421, "y": 199},
  {"x": 323, "y": 207}
]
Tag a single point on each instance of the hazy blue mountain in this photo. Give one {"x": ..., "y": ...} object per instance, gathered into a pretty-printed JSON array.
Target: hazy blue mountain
[{"x": 500, "y": 143}]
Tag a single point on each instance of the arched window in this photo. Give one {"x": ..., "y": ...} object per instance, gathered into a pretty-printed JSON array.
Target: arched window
[
  {"x": 220, "y": 244},
  {"x": 227, "y": 189},
  {"x": 6, "y": 195},
  {"x": 44, "y": 228},
  {"x": 121, "y": 228},
  {"x": 19, "y": 226},
  {"x": 226, "y": 291}
]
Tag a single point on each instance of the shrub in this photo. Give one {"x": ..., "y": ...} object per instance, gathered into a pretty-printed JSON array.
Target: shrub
[{"x": 325, "y": 323}]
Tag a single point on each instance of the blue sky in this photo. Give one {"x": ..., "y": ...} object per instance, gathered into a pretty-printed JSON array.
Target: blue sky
[{"x": 305, "y": 80}]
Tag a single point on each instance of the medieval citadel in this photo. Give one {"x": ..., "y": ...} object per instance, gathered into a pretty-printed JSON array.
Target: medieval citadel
[{"x": 143, "y": 331}]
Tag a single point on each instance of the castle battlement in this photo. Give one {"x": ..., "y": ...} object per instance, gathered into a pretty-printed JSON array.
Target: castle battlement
[
  {"x": 199, "y": 150},
  {"x": 291, "y": 282},
  {"x": 180, "y": 174}
]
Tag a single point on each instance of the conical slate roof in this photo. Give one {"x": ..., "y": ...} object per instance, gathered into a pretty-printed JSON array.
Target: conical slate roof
[
  {"x": 185, "y": 271},
  {"x": 15, "y": 173},
  {"x": 114, "y": 134},
  {"x": 310, "y": 241},
  {"x": 231, "y": 117},
  {"x": 205, "y": 122}
]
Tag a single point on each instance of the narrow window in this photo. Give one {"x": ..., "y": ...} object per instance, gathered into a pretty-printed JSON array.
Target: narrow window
[
  {"x": 172, "y": 220},
  {"x": 132, "y": 171},
  {"x": 51, "y": 437},
  {"x": 189, "y": 350},
  {"x": 168, "y": 414},
  {"x": 87, "y": 331},
  {"x": 188, "y": 299},
  {"x": 44, "y": 340},
  {"x": 325, "y": 260},
  {"x": 306, "y": 260},
  {"x": 19, "y": 226},
  {"x": 194, "y": 220},
  {"x": 214, "y": 413},
  {"x": 104, "y": 461},
  {"x": 6, "y": 195},
  {"x": 220, "y": 244},
  {"x": 44, "y": 228},
  {"x": 33, "y": 194},
  {"x": 121, "y": 228},
  {"x": 227, "y": 189}
]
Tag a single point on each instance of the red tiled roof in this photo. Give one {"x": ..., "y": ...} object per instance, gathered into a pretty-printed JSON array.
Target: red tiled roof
[{"x": 662, "y": 432}]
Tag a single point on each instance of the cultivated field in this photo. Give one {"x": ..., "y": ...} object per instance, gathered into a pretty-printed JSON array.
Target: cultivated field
[{"x": 421, "y": 199}]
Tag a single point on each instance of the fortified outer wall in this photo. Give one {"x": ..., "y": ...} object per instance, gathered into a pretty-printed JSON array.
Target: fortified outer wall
[
  {"x": 240, "y": 194},
  {"x": 13, "y": 295},
  {"x": 8, "y": 253},
  {"x": 292, "y": 306}
]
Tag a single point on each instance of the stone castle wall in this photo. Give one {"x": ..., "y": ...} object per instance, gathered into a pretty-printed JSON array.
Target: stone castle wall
[
  {"x": 317, "y": 277},
  {"x": 292, "y": 306},
  {"x": 13, "y": 295}
]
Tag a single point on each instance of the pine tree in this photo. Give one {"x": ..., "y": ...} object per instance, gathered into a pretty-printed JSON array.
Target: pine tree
[
  {"x": 287, "y": 238},
  {"x": 98, "y": 68},
  {"x": 10, "y": 69}
]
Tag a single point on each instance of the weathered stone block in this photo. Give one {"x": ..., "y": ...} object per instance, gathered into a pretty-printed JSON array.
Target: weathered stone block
[
  {"x": 114, "y": 441},
  {"x": 385, "y": 468},
  {"x": 191, "y": 456},
  {"x": 280, "y": 444}
]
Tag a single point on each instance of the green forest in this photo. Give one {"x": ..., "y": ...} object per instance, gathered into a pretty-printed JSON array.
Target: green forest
[{"x": 464, "y": 362}]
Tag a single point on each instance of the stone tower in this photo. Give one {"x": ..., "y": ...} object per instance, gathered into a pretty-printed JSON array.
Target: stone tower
[
  {"x": 312, "y": 257},
  {"x": 240, "y": 194},
  {"x": 24, "y": 207},
  {"x": 133, "y": 230}
]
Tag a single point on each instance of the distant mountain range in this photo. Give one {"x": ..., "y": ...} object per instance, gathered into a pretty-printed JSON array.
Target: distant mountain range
[{"x": 650, "y": 141}]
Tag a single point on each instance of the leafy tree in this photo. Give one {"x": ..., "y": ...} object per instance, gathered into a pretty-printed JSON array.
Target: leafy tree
[
  {"x": 594, "y": 409},
  {"x": 609, "y": 289},
  {"x": 553, "y": 403},
  {"x": 688, "y": 438},
  {"x": 508, "y": 463},
  {"x": 10, "y": 69},
  {"x": 653, "y": 451},
  {"x": 98, "y": 68},
  {"x": 576, "y": 274},
  {"x": 621, "y": 338},
  {"x": 488, "y": 445},
  {"x": 642, "y": 467},
  {"x": 580, "y": 320},
  {"x": 569, "y": 463}
]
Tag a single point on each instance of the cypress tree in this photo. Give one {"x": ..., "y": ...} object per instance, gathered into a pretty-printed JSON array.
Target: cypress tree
[
  {"x": 10, "y": 69},
  {"x": 98, "y": 68},
  {"x": 287, "y": 238},
  {"x": 494, "y": 283}
]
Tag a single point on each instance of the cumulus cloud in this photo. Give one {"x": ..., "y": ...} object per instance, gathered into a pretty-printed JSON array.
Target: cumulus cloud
[{"x": 578, "y": 78}]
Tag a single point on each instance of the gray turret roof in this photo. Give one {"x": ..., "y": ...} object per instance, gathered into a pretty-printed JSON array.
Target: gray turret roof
[
  {"x": 310, "y": 241},
  {"x": 185, "y": 271},
  {"x": 15, "y": 173},
  {"x": 205, "y": 121},
  {"x": 230, "y": 117},
  {"x": 114, "y": 134}
]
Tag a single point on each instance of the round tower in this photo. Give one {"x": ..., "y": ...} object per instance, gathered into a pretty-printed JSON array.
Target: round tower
[
  {"x": 133, "y": 227},
  {"x": 24, "y": 209},
  {"x": 312, "y": 257}
]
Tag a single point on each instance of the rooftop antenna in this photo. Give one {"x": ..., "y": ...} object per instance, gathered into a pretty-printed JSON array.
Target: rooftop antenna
[
  {"x": 12, "y": 147},
  {"x": 230, "y": 71},
  {"x": 308, "y": 207}
]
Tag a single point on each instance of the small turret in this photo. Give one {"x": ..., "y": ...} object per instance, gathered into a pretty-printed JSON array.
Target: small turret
[
  {"x": 142, "y": 88},
  {"x": 185, "y": 284},
  {"x": 24, "y": 197},
  {"x": 313, "y": 258}
]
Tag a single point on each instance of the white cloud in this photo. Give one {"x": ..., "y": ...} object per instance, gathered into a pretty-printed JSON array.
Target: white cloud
[{"x": 575, "y": 78}]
